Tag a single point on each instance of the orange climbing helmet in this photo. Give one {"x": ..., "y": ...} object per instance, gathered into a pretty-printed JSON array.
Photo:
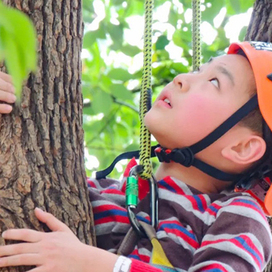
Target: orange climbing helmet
[{"x": 259, "y": 54}]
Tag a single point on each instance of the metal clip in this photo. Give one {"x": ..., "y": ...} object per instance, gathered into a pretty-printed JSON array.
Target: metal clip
[{"x": 132, "y": 200}]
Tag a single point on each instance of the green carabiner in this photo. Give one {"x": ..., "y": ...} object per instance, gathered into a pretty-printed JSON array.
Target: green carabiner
[{"x": 132, "y": 190}]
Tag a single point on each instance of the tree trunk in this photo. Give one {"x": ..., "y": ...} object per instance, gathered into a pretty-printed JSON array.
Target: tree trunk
[
  {"x": 41, "y": 142},
  {"x": 260, "y": 29}
]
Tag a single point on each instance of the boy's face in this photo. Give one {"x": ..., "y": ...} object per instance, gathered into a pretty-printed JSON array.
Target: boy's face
[{"x": 200, "y": 101}]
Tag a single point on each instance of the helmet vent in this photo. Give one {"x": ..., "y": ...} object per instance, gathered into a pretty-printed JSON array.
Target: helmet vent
[{"x": 269, "y": 76}]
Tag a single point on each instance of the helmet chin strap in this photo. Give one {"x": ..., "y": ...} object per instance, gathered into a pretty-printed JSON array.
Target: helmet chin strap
[{"x": 186, "y": 156}]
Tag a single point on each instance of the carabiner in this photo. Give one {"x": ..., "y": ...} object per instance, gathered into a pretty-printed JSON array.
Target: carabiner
[
  {"x": 153, "y": 202},
  {"x": 132, "y": 200}
]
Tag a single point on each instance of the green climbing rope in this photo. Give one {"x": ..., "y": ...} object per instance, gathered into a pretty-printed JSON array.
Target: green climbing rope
[
  {"x": 196, "y": 5},
  {"x": 145, "y": 98}
]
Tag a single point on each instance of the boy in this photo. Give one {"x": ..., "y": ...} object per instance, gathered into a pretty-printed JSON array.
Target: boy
[{"x": 203, "y": 224}]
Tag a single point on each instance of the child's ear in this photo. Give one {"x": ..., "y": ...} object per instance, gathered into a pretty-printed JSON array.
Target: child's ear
[{"x": 248, "y": 150}]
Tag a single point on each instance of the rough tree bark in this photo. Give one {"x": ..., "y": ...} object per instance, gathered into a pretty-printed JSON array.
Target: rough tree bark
[
  {"x": 260, "y": 26},
  {"x": 41, "y": 142},
  {"x": 260, "y": 29}
]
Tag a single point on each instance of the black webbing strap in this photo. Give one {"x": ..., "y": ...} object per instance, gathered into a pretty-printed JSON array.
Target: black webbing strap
[
  {"x": 226, "y": 126},
  {"x": 127, "y": 155}
]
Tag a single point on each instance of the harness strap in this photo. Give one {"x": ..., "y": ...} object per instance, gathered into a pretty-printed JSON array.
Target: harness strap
[
  {"x": 158, "y": 258},
  {"x": 227, "y": 125},
  {"x": 128, "y": 243},
  {"x": 127, "y": 155}
]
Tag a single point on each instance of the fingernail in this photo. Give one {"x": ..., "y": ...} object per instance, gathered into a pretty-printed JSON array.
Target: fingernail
[
  {"x": 8, "y": 108},
  {"x": 38, "y": 209},
  {"x": 12, "y": 98},
  {"x": 4, "y": 234}
]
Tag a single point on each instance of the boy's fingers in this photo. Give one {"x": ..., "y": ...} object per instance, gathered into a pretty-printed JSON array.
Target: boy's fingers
[
  {"x": 6, "y": 86},
  {"x": 51, "y": 221},
  {"x": 7, "y": 97},
  {"x": 16, "y": 249},
  {"x": 5, "y": 77},
  {"x": 5, "y": 109},
  {"x": 18, "y": 260},
  {"x": 25, "y": 235}
]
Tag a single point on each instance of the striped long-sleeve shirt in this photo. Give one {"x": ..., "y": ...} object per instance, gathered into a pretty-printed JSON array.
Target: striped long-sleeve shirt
[{"x": 199, "y": 232}]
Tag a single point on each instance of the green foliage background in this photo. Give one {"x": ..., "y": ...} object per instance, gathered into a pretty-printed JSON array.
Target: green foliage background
[{"x": 111, "y": 121}]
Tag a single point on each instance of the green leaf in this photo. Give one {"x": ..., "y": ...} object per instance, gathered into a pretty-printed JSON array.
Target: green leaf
[
  {"x": 210, "y": 12},
  {"x": 105, "y": 84},
  {"x": 182, "y": 38},
  {"x": 134, "y": 8},
  {"x": 24, "y": 34},
  {"x": 1, "y": 45},
  {"x": 91, "y": 37},
  {"x": 12, "y": 60},
  {"x": 242, "y": 33},
  {"x": 119, "y": 74},
  {"x": 245, "y": 5},
  {"x": 88, "y": 5},
  {"x": 162, "y": 42},
  {"x": 162, "y": 55},
  {"x": 101, "y": 102},
  {"x": 122, "y": 130},
  {"x": 132, "y": 147},
  {"x": 18, "y": 44},
  {"x": 86, "y": 90},
  {"x": 240, "y": 6},
  {"x": 130, "y": 50},
  {"x": 88, "y": 110},
  {"x": 173, "y": 17},
  {"x": 179, "y": 67},
  {"x": 236, "y": 5},
  {"x": 121, "y": 92},
  {"x": 117, "y": 2},
  {"x": 116, "y": 33}
]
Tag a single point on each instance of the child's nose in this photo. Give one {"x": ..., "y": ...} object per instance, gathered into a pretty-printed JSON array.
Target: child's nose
[{"x": 182, "y": 82}]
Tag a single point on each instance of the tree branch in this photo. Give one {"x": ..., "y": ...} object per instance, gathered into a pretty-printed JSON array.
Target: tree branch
[
  {"x": 115, "y": 100},
  {"x": 122, "y": 103}
]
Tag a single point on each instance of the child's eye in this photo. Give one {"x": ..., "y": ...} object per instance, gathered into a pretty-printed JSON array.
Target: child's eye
[{"x": 215, "y": 82}]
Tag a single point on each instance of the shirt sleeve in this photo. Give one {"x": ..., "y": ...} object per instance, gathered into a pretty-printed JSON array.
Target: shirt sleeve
[
  {"x": 238, "y": 240},
  {"x": 106, "y": 191}
]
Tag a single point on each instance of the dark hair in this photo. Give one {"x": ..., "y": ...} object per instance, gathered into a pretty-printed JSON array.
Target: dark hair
[{"x": 254, "y": 121}]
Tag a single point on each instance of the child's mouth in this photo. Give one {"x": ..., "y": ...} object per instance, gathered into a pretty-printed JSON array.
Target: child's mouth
[{"x": 166, "y": 102}]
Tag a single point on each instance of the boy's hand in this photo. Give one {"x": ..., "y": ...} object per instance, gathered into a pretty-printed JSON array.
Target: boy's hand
[
  {"x": 59, "y": 250},
  {"x": 6, "y": 93}
]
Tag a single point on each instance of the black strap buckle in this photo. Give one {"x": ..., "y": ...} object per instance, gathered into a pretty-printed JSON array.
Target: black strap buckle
[{"x": 184, "y": 156}]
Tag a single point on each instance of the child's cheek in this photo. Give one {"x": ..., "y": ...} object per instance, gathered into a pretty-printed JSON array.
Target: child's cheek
[{"x": 202, "y": 114}]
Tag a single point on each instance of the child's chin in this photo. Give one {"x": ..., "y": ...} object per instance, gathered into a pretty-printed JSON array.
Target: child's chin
[{"x": 147, "y": 119}]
